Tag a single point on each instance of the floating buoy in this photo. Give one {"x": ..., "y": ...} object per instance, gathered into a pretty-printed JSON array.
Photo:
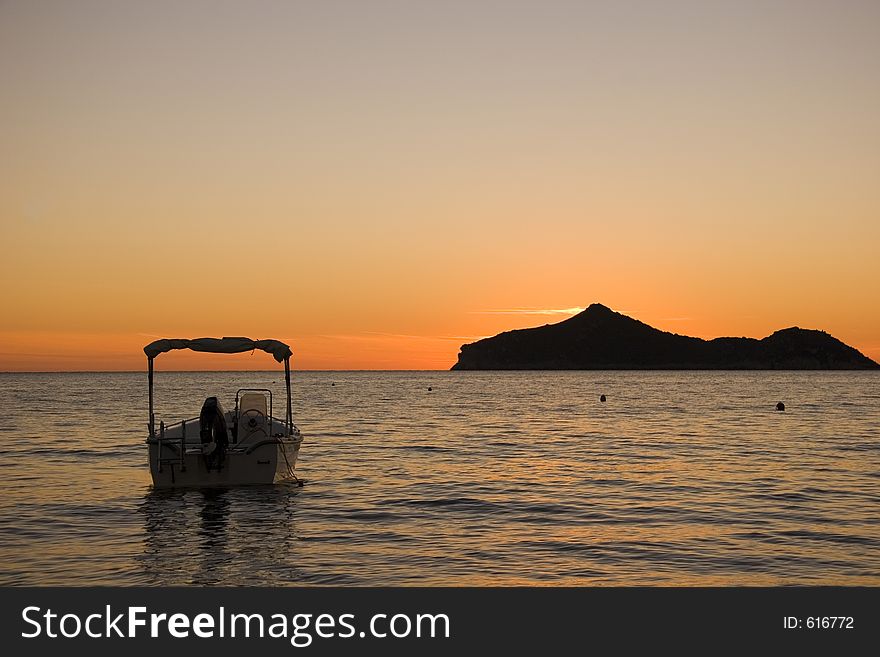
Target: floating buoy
[
  {"x": 601, "y": 398},
  {"x": 780, "y": 406}
]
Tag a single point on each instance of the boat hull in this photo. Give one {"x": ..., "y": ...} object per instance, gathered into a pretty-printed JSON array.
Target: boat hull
[{"x": 264, "y": 462}]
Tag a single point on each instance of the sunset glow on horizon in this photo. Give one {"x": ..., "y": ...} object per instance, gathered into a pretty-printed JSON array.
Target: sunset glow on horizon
[{"x": 377, "y": 183}]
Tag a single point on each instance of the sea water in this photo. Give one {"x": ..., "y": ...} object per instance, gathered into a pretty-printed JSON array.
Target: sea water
[{"x": 488, "y": 478}]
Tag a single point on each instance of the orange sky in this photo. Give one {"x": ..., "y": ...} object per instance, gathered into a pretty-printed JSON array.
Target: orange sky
[{"x": 377, "y": 183}]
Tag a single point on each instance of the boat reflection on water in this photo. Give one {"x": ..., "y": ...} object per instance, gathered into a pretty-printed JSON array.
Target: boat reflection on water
[{"x": 235, "y": 537}]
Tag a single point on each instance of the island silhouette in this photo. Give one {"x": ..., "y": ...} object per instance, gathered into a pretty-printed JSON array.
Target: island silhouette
[{"x": 600, "y": 339}]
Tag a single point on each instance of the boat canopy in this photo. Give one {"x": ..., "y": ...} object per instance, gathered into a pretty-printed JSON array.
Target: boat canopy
[{"x": 280, "y": 351}]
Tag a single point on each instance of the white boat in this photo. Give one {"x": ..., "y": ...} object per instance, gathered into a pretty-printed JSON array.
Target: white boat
[{"x": 244, "y": 446}]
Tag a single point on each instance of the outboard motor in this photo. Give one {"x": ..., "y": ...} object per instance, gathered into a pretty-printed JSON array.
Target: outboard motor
[{"x": 212, "y": 431}]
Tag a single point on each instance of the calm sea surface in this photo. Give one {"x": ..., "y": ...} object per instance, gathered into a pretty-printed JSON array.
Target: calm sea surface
[{"x": 686, "y": 478}]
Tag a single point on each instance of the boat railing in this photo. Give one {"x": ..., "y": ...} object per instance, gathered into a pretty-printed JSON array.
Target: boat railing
[
  {"x": 180, "y": 442},
  {"x": 182, "y": 422}
]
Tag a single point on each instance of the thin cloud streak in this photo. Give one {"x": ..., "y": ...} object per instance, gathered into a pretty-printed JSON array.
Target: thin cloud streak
[
  {"x": 530, "y": 311},
  {"x": 373, "y": 335}
]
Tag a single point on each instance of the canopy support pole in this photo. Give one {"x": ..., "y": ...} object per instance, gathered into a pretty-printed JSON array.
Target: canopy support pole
[
  {"x": 289, "y": 418},
  {"x": 150, "y": 379}
]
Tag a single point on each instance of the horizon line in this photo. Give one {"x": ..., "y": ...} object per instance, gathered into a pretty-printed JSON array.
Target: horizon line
[
  {"x": 616, "y": 369},
  {"x": 143, "y": 371}
]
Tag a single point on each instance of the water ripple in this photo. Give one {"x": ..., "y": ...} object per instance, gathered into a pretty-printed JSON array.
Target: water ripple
[{"x": 684, "y": 478}]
